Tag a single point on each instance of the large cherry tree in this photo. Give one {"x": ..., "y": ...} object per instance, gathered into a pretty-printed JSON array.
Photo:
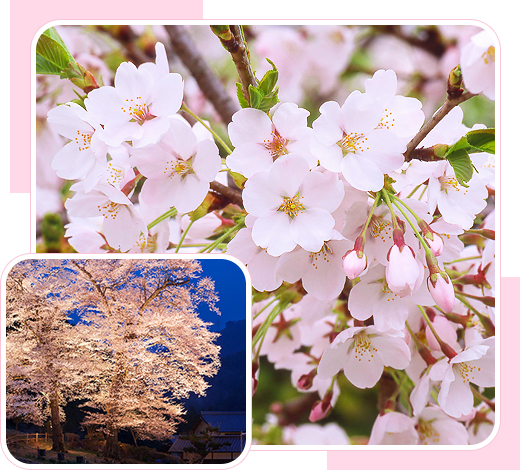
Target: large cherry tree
[{"x": 144, "y": 345}]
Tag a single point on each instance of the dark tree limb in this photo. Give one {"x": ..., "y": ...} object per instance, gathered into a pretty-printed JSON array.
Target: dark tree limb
[{"x": 208, "y": 82}]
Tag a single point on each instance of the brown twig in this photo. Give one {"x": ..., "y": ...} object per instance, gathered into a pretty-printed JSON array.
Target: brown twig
[
  {"x": 447, "y": 106},
  {"x": 234, "y": 196},
  {"x": 208, "y": 82},
  {"x": 236, "y": 46}
]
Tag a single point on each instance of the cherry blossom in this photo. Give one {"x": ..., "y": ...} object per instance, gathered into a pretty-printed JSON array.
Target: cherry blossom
[
  {"x": 321, "y": 272},
  {"x": 137, "y": 107},
  {"x": 477, "y": 63},
  {"x": 77, "y": 158},
  {"x": 393, "y": 428},
  {"x": 178, "y": 168},
  {"x": 434, "y": 427},
  {"x": 475, "y": 364},
  {"x": 347, "y": 140},
  {"x": 122, "y": 225},
  {"x": 292, "y": 206},
  {"x": 362, "y": 353},
  {"x": 259, "y": 141},
  {"x": 373, "y": 297}
]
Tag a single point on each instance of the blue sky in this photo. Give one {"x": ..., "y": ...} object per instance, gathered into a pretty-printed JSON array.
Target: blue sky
[{"x": 231, "y": 286}]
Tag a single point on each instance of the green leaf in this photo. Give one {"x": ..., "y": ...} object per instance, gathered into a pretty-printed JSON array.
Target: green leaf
[
  {"x": 479, "y": 140},
  {"x": 255, "y": 97},
  {"x": 269, "y": 80},
  {"x": 462, "y": 166},
  {"x": 482, "y": 139},
  {"x": 268, "y": 101},
  {"x": 52, "y": 55},
  {"x": 241, "y": 97}
]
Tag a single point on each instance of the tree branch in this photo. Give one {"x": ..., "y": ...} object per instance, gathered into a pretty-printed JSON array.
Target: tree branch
[
  {"x": 233, "y": 41},
  {"x": 448, "y": 105},
  {"x": 232, "y": 195},
  {"x": 208, "y": 82}
]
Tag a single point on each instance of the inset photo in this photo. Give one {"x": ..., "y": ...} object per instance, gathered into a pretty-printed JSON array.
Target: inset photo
[{"x": 126, "y": 361}]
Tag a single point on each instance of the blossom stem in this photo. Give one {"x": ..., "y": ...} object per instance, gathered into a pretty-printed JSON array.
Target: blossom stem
[
  {"x": 183, "y": 236},
  {"x": 371, "y": 213},
  {"x": 388, "y": 202},
  {"x": 213, "y": 133},
  {"x": 481, "y": 397},
  {"x": 171, "y": 213},
  {"x": 416, "y": 341},
  {"x": 414, "y": 190},
  {"x": 264, "y": 307},
  {"x": 262, "y": 330},
  {"x": 425, "y": 245},
  {"x": 237, "y": 48},
  {"x": 445, "y": 348},
  {"x": 219, "y": 240},
  {"x": 486, "y": 323}
]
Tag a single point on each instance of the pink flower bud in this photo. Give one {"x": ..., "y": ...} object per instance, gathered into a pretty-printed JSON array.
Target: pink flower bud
[
  {"x": 320, "y": 410},
  {"x": 402, "y": 271},
  {"x": 353, "y": 264},
  {"x": 441, "y": 289},
  {"x": 436, "y": 245}
]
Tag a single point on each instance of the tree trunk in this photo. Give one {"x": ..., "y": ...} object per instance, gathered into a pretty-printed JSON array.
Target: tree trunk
[
  {"x": 58, "y": 443},
  {"x": 112, "y": 449}
]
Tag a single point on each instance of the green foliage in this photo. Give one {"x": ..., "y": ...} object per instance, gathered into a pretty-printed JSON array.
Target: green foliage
[
  {"x": 479, "y": 140},
  {"x": 53, "y": 58},
  {"x": 265, "y": 95},
  {"x": 52, "y": 55}
]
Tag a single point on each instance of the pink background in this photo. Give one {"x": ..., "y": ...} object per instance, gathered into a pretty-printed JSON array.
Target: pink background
[{"x": 24, "y": 26}]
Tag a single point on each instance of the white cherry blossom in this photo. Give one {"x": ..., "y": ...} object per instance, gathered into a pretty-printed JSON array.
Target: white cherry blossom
[
  {"x": 362, "y": 353},
  {"x": 178, "y": 169},
  {"x": 137, "y": 107},
  {"x": 293, "y": 206},
  {"x": 260, "y": 140}
]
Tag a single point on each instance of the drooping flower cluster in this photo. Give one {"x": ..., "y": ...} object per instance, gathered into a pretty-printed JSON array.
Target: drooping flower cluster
[{"x": 371, "y": 259}]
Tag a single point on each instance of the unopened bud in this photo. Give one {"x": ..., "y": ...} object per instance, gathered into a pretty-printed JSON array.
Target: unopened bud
[
  {"x": 441, "y": 289},
  {"x": 454, "y": 83},
  {"x": 435, "y": 242},
  {"x": 354, "y": 263},
  {"x": 306, "y": 380},
  {"x": 321, "y": 409}
]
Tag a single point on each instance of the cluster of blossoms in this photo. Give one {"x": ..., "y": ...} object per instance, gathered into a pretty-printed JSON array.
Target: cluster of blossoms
[{"x": 367, "y": 261}]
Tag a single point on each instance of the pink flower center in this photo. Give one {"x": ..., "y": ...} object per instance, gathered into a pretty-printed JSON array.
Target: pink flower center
[
  {"x": 137, "y": 110},
  {"x": 109, "y": 209},
  {"x": 325, "y": 253},
  {"x": 380, "y": 228},
  {"x": 292, "y": 206},
  {"x": 387, "y": 121},
  {"x": 115, "y": 174},
  {"x": 83, "y": 140},
  {"x": 362, "y": 346},
  {"x": 277, "y": 146},
  {"x": 427, "y": 432},
  {"x": 353, "y": 142},
  {"x": 450, "y": 183},
  {"x": 489, "y": 55},
  {"x": 466, "y": 371},
  {"x": 177, "y": 167}
]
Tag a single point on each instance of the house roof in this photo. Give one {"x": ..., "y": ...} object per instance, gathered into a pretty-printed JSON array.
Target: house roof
[
  {"x": 226, "y": 421},
  {"x": 234, "y": 444}
]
